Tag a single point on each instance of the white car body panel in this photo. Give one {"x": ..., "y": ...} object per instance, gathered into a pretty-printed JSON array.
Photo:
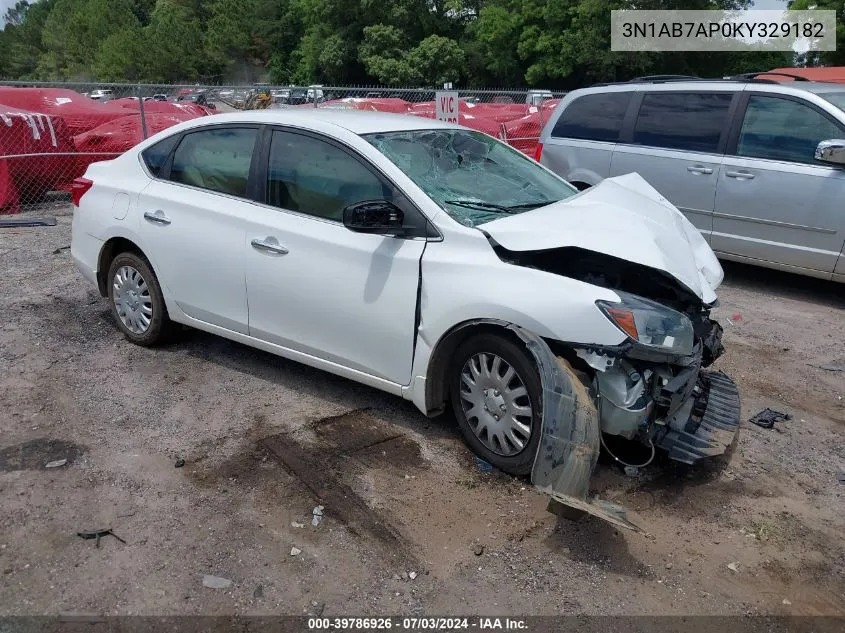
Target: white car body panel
[
  {"x": 622, "y": 217},
  {"x": 349, "y": 306},
  {"x": 370, "y": 282}
]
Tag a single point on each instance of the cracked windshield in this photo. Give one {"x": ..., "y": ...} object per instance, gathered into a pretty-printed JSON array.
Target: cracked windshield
[{"x": 474, "y": 177}]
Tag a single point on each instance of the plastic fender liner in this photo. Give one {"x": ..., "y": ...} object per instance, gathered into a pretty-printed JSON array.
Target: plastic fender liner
[{"x": 569, "y": 445}]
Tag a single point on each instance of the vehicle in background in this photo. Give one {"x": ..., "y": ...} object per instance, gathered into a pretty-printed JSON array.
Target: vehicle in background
[
  {"x": 433, "y": 262},
  {"x": 200, "y": 98},
  {"x": 536, "y": 97},
  {"x": 160, "y": 97},
  {"x": 758, "y": 166},
  {"x": 103, "y": 94},
  {"x": 502, "y": 99}
]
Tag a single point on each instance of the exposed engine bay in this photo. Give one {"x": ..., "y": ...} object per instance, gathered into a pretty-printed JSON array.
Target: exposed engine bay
[{"x": 658, "y": 397}]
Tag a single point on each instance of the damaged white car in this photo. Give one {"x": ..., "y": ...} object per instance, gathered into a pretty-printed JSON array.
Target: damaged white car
[{"x": 430, "y": 261}]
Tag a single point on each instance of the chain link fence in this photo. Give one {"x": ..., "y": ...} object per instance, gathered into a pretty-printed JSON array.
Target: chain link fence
[{"x": 51, "y": 132}]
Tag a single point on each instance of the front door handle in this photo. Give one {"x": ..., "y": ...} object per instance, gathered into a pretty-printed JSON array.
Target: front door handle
[
  {"x": 157, "y": 217},
  {"x": 699, "y": 169},
  {"x": 269, "y": 245},
  {"x": 740, "y": 175}
]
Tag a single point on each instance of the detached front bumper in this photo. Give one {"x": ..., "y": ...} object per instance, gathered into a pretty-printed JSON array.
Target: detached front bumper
[{"x": 707, "y": 423}]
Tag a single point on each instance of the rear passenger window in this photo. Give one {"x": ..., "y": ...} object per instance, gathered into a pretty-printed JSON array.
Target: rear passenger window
[
  {"x": 686, "y": 121},
  {"x": 594, "y": 117},
  {"x": 782, "y": 129},
  {"x": 156, "y": 155},
  {"x": 216, "y": 159}
]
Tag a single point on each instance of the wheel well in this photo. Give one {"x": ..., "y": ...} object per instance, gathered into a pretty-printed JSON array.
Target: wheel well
[
  {"x": 437, "y": 382},
  {"x": 111, "y": 249}
]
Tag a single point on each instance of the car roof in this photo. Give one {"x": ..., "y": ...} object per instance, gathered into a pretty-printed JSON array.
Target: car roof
[
  {"x": 355, "y": 121},
  {"x": 788, "y": 87}
]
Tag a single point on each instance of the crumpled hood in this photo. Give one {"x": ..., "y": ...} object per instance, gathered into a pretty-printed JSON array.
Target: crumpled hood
[{"x": 623, "y": 217}]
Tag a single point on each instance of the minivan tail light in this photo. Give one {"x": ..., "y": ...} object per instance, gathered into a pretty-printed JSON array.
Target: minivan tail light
[
  {"x": 538, "y": 152},
  {"x": 78, "y": 188}
]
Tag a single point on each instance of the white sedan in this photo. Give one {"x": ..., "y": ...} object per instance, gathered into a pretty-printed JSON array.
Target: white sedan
[{"x": 433, "y": 262}]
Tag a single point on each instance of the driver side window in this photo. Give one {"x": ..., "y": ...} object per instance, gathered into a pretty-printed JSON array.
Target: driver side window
[
  {"x": 782, "y": 129},
  {"x": 311, "y": 176}
]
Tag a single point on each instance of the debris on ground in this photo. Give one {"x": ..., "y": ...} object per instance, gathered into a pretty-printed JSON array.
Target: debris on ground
[
  {"x": 56, "y": 464},
  {"x": 295, "y": 551},
  {"x": 60, "y": 249},
  {"x": 767, "y": 418},
  {"x": 835, "y": 366},
  {"x": 297, "y": 524},
  {"x": 216, "y": 582},
  {"x": 483, "y": 465},
  {"x": 317, "y": 515},
  {"x": 478, "y": 549},
  {"x": 18, "y": 222},
  {"x": 736, "y": 317},
  {"x": 733, "y": 567},
  {"x": 179, "y": 463},
  {"x": 786, "y": 602},
  {"x": 632, "y": 471},
  {"x": 259, "y": 592},
  {"x": 98, "y": 534},
  {"x": 412, "y": 574}
]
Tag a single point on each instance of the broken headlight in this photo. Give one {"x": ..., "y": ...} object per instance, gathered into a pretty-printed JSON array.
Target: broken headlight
[{"x": 651, "y": 324}]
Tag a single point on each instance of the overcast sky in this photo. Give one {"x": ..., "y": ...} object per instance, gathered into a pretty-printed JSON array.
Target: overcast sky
[{"x": 758, "y": 4}]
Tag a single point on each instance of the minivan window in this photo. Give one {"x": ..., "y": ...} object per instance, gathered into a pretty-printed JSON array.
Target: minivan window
[
  {"x": 217, "y": 159},
  {"x": 593, "y": 117},
  {"x": 783, "y": 129},
  {"x": 156, "y": 155},
  {"x": 836, "y": 98},
  {"x": 685, "y": 121}
]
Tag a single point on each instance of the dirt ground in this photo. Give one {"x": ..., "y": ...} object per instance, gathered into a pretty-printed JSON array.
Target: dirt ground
[{"x": 266, "y": 440}]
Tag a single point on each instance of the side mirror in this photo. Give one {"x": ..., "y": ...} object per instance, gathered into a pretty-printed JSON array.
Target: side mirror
[
  {"x": 831, "y": 152},
  {"x": 379, "y": 217}
]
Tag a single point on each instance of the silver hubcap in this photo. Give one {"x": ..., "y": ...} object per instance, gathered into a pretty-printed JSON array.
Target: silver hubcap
[
  {"x": 132, "y": 300},
  {"x": 496, "y": 404}
]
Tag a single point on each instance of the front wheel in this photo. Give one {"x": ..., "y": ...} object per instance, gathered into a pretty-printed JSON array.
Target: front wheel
[{"x": 497, "y": 400}]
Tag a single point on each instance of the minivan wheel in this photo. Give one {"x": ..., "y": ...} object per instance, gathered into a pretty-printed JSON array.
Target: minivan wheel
[
  {"x": 136, "y": 300},
  {"x": 496, "y": 397}
]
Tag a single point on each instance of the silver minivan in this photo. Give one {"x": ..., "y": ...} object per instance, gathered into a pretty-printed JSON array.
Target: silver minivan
[{"x": 756, "y": 165}]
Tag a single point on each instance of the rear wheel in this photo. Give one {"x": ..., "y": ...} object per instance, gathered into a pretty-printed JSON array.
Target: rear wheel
[
  {"x": 136, "y": 300},
  {"x": 497, "y": 401}
]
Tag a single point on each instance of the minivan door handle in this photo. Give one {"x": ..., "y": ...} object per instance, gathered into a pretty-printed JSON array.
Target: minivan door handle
[
  {"x": 269, "y": 247},
  {"x": 699, "y": 169},
  {"x": 156, "y": 217},
  {"x": 740, "y": 175}
]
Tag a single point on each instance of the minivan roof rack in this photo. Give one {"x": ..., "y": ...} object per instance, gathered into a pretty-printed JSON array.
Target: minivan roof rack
[
  {"x": 657, "y": 78},
  {"x": 751, "y": 76}
]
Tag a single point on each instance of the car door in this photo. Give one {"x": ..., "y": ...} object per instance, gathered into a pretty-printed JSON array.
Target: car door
[
  {"x": 315, "y": 286},
  {"x": 192, "y": 223},
  {"x": 774, "y": 202},
  {"x": 675, "y": 142}
]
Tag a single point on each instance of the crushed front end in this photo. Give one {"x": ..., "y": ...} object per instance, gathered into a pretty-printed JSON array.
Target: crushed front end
[{"x": 667, "y": 401}]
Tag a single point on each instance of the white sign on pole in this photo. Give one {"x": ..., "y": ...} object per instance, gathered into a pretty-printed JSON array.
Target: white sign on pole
[{"x": 446, "y": 108}]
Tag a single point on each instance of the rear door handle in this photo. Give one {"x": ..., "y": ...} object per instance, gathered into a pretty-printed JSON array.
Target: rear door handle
[
  {"x": 269, "y": 245},
  {"x": 699, "y": 169},
  {"x": 741, "y": 175},
  {"x": 157, "y": 217}
]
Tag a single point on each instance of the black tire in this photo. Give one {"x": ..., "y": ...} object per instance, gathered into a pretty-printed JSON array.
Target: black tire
[
  {"x": 520, "y": 360},
  {"x": 160, "y": 326}
]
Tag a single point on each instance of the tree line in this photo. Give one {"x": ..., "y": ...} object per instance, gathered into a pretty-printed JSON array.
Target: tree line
[{"x": 558, "y": 44}]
